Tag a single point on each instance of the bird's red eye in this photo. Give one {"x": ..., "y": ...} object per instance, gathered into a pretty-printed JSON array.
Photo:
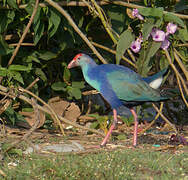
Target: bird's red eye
[{"x": 77, "y": 57}]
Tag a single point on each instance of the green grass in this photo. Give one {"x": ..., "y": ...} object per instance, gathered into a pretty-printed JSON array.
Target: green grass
[{"x": 118, "y": 164}]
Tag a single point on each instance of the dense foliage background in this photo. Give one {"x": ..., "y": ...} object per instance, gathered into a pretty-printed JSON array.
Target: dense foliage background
[{"x": 107, "y": 28}]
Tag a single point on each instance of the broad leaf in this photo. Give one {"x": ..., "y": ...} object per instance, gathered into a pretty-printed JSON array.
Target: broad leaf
[
  {"x": 163, "y": 62},
  {"x": 58, "y": 86},
  {"x": 41, "y": 74},
  {"x": 125, "y": 40},
  {"x": 16, "y": 76},
  {"x": 54, "y": 21},
  {"x": 13, "y": 116},
  {"x": 3, "y": 71},
  {"x": 38, "y": 26},
  {"x": 17, "y": 67},
  {"x": 79, "y": 85},
  {"x": 117, "y": 17},
  {"x": 46, "y": 55},
  {"x": 4, "y": 48},
  {"x": 66, "y": 74},
  {"x": 6, "y": 18},
  {"x": 183, "y": 35},
  {"x": 155, "y": 12},
  {"x": 12, "y": 3},
  {"x": 169, "y": 17},
  {"x": 143, "y": 62},
  {"x": 147, "y": 28},
  {"x": 75, "y": 92}
]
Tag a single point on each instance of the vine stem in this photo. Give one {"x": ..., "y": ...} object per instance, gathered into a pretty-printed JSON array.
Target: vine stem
[{"x": 105, "y": 24}]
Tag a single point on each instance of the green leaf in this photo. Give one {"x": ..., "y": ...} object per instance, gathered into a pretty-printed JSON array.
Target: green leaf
[
  {"x": 38, "y": 26},
  {"x": 143, "y": 62},
  {"x": 54, "y": 21},
  {"x": 163, "y": 62},
  {"x": 41, "y": 74},
  {"x": 4, "y": 48},
  {"x": 147, "y": 28},
  {"x": 11, "y": 115},
  {"x": 15, "y": 151},
  {"x": 79, "y": 85},
  {"x": 29, "y": 7},
  {"x": 39, "y": 30},
  {"x": 3, "y": 71},
  {"x": 125, "y": 40},
  {"x": 155, "y": 12},
  {"x": 12, "y": 3},
  {"x": 75, "y": 92},
  {"x": 16, "y": 76},
  {"x": 94, "y": 125},
  {"x": 66, "y": 74},
  {"x": 183, "y": 35},
  {"x": 17, "y": 67},
  {"x": 58, "y": 86},
  {"x": 117, "y": 17},
  {"x": 6, "y": 18},
  {"x": 121, "y": 137},
  {"x": 46, "y": 55},
  {"x": 169, "y": 17}
]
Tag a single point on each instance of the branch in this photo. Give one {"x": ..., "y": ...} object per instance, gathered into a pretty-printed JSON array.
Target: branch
[
  {"x": 113, "y": 52},
  {"x": 24, "y": 33},
  {"x": 72, "y": 23},
  {"x": 4, "y": 91},
  {"x": 130, "y": 5},
  {"x": 164, "y": 118}
]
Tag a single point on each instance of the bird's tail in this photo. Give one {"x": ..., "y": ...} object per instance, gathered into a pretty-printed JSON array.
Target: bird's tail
[{"x": 169, "y": 93}]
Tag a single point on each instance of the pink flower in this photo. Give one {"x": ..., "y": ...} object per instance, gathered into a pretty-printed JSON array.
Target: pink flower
[
  {"x": 171, "y": 28},
  {"x": 135, "y": 46},
  {"x": 135, "y": 13},
  {"x": 158, "y": 35},
  {"x": 165, "y": 44}
]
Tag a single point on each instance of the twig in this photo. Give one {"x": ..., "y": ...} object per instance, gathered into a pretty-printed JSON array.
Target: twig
[
  {"x": 32, "y": 129},
  {"x": 176, "y": 71},
  {"x": 104, "y": 22},
  {"x": 22, "y": 44},
  {"x": 47, "y": 105},
  {"x": 181, "y": 91},
  {"x": 90, "y": 7},
  {"x": 182, "y": 66},
  {"x": 182, "y": 45},
  {"x": 24, "y": 33},
  {"x": 72, "y": 23},
  {"x": 113, "y": 52},
  {"x": 32, "y": 84},
  {"x": 4, "y": 91},
  {"x": 164, "y": 118},
  {"x": 161, "y": 108}
]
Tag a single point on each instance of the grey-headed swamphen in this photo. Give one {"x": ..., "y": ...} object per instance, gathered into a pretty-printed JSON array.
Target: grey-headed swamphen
[{"x": 119, "y": 86}]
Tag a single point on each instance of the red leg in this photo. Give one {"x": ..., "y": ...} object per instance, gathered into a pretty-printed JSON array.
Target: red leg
[
  {"x": 135, "y": 126},
  {"x": 111, "y": 128}
]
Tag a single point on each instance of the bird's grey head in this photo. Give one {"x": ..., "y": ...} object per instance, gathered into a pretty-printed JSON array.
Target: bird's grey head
[{"x": 80, "y": 60}]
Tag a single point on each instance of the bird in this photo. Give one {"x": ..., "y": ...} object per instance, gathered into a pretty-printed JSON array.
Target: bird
[{"x": 120, "y": 86}]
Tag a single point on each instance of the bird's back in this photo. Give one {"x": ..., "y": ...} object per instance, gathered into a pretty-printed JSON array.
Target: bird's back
[{"x": 118, "y": 83}]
